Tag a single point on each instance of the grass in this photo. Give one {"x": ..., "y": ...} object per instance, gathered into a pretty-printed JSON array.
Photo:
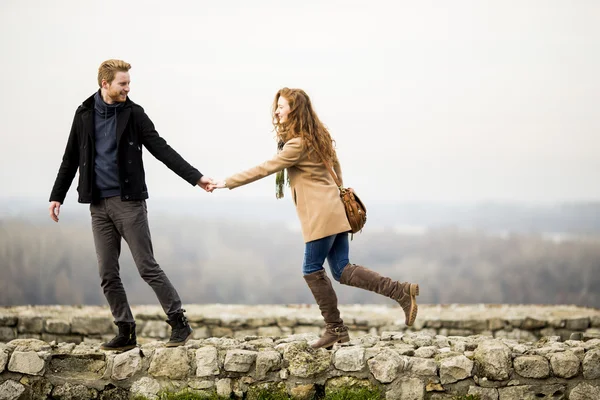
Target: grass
[
  {"x": 343, "y": 394},
  {"x": 355, "y": 394}
]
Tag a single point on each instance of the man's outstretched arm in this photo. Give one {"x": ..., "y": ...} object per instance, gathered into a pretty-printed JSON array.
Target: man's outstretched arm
[{"x": 66, "y": 173}]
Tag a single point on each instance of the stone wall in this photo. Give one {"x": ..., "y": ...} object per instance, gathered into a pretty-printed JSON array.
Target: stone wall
[
  {"x": 94, "y": 324},
  {"x": 402, "y": 365}
]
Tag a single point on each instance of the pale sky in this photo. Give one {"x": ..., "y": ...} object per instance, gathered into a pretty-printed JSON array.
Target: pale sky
[{"x": 428, "y": 101}]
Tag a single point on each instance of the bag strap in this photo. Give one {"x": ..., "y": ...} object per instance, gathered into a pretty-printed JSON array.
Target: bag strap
[{"x": 333, "y": 175}]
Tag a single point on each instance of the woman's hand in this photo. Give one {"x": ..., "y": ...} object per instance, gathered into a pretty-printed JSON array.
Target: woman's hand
[{"x": 217, "y": 185}]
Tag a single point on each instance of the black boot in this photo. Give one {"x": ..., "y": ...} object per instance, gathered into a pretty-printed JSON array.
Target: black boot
[
  {"x": 125, "y": 339},
  {"x": 181, "y": 331}
]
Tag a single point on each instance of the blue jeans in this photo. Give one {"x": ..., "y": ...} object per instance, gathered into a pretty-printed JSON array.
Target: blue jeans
[{"x": 335, "y": 248}]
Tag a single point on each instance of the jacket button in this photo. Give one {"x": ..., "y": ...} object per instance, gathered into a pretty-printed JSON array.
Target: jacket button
[
  {"x": 129, "y": 161},
  {"x": 84, "y": 164},
  {"x": 131, "y": 143},
  {"x": 126, "y": 180},
  {"x": 126, "y": 197}
]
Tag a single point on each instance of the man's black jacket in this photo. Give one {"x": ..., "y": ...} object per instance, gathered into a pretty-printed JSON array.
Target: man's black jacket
[{"x": 134, "y": 129}]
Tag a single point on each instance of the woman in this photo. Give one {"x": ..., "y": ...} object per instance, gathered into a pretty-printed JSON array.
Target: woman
[{"x": 303, "y": 140}]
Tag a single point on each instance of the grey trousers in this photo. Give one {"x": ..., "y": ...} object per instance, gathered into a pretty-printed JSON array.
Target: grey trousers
[{"x": 113, "y": 219}]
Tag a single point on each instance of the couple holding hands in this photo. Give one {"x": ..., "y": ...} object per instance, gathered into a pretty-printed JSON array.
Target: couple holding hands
[{"x": 105, "y": 145}]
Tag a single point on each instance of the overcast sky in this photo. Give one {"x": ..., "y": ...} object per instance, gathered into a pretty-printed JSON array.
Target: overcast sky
[{"x": 430, "y": 100}]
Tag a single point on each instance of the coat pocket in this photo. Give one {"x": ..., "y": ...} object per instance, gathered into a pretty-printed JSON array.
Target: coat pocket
[{"x": 294, "y": 196}]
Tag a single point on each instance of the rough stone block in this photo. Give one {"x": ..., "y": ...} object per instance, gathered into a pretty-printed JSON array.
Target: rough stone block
[
  {"x": 495, "y": 324},
  {"x": 591, "y": 364},
  {"x": 11, "y": 390},
  {"x": 206, "y": 361},
  {"x": 3, "y": 357},
  {"x": 224, "y": 387},
  {"x": 74, "y": 392},
  {"x": 200, "y": 332},
  {"x": 57, "y": 326},
  {"x": 50, "y": 337},
  {"x": 532, "y": 324},
  {"x": 269, "y": 331},
  {"x": 350, "y": 359},
  {"x": 532, "y": 392},
  {"x": 417, "y": 339},
  {"x": 386, "y": 365},
  {"x": 346, "y": 382},
  {"x": 146, "y": 387},
  {"x": 29, "y": 363},
  {"x": 30, "y": 325},
  {"x": 154, "y": 329},
  {"x": 201, "y": 384},
  {"x": 484, "y": 393},
  {"x": 126, "y": 364},
  {"x": 455, "y": 368},
  {"x": 267, "y": 361},
  {"x": 239, "y": 360},
  {"x": 84, "y": 364},
  {"x": 221, "y": 331},
  {"x": 585, "y": 391},
  {"x": 577, "y": 324},
  {"x": 591, "y": 333},
  {"x": 536, "y": 367},
  {"x": 302, "y": 392},
  {"x": 565, "y": 364},
  {"x": 441, "y": 341},
  {"x": 406, "y": 389},
  {"x": 422, "y": 366},
  {"x": 305, "y": 363},
  {"x": 493, "y": 360},
  {"x": 92, "y": 325},
  {"x": 315, "y": 330},
  {"x": 426, "y": 352},
  {"x": 8, "y": 320},
  {"x": 170, "y": 363},
  {"x": 7, "y": 333},
  {"x": 242, "y": 333},
  {"x": 517, "y": 334}
]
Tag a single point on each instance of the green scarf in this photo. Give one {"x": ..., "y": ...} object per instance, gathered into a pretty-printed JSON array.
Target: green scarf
[{"x": 280, "y": 178}]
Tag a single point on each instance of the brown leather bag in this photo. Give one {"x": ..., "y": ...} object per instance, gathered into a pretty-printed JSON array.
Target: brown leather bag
[{"x": 355, "y": 208}]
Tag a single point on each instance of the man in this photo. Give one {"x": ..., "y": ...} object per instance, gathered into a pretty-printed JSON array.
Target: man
[{"x": 105, "y": 143}]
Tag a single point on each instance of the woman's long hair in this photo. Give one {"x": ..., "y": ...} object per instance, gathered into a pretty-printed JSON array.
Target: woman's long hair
[{"x": 303, "y": 122}]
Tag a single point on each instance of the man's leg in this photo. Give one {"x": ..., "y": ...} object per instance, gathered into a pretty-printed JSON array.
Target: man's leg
[
  {"x": 131, "y": 218},
  {"x": 107, "y": 241}
]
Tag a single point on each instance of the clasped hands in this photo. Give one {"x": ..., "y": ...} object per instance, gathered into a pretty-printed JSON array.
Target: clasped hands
[{"x": 208, "y": 184}]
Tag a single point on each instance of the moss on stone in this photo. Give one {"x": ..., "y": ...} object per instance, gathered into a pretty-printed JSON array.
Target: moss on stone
[
  {"x": 267, "y": 391},
  {"x": 305, "y": 362}
]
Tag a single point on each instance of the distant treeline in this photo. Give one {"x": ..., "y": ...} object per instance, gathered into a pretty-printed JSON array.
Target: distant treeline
[{"x": 229, "y": 261}]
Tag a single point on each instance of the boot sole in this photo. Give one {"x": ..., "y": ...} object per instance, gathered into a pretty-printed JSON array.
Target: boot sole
[
  {"x": 124, "y": 348},
  {"x": 414, "y": 292},
  {"x": 344, "y": 340},
  {"x": 177, "y": 344},
  {"x": 329, "y": 346}
]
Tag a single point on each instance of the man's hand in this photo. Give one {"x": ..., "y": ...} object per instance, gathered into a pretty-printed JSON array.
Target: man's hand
[
  {"x": 54, "y": 209},
  {"x": 217, "y": 185},
  {"x": 205, "y": 183}
]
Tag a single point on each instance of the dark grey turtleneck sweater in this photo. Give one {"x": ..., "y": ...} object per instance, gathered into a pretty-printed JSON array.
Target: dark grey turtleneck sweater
[{"x": 105, "y": 164}]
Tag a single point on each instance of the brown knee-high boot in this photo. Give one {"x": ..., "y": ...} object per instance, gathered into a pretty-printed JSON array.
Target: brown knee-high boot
[
  {"x": 335, "y": 330},
  {"x": 404, "y": 293}
]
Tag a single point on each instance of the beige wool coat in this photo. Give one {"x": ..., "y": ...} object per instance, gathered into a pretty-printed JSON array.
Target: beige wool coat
[{"x": 315, "y": 194}]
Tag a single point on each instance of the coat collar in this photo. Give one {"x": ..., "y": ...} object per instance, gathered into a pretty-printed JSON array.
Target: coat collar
[{"x": 87, "y": 108}]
